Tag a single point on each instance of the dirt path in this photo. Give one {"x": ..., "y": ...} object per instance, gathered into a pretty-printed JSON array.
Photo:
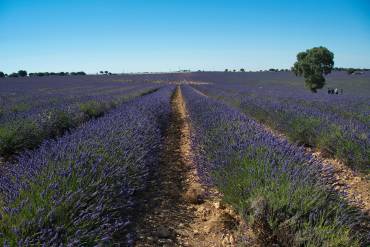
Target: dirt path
[
  {"x": 178, "y": 212},
  {"x": 355, "y": 186}
]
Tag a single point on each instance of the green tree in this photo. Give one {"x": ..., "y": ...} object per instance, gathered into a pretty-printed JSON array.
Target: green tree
[
  {"x": 2, "y": 74},
  {"x": 313, "y": 64},
  {"x": 351, "y": 71},
  {"x": 22, "y": 73}
]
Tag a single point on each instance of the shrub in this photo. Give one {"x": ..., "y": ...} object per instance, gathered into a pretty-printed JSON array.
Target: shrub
[
  {"x": 93, "y": 108},
  {"x": 335, "y": 143},
  {"x": 17, "y": 136},
  {"x": 329, "y": 140},
  {"x": 350, "y": 71},
  {"x": 350, "y": 152},
  {"x": 304, "y": 130},
  {"x": 57, "y": 122},
  {"x": 20, "y": 107},
  {"x": 283, "y": 211}
]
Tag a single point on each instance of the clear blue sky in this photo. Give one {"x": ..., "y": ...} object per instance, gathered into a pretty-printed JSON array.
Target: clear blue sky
[{"x": 163, "y": 35}]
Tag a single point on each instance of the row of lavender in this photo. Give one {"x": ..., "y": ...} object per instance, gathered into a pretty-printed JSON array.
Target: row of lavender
[
  {"x": 79, "y": 190},
  {"x": 29, "y": 102},
  {"x": 40, "y": 110},
  {"x": 26, "y": 97},
  {"x": 274, "y": 185},
  {"x": 336, "y": 124}
]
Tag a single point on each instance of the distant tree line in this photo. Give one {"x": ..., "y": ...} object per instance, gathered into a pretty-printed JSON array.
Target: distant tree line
[
  {"x": 351, "y": 70},
  {"x": 23, "y": 73},
  {"x": 105, "y": 72},
  {"x": 59, "y": 73},
  {"x": 20, "y": 73},
  {"x": 269, "y": 70}
]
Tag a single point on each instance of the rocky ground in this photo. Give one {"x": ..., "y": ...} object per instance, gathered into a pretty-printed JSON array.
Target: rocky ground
[{"x": 178, "y": 212}]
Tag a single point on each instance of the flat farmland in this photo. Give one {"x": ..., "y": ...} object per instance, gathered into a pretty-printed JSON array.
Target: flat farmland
[{"x": 184, "y": 159}]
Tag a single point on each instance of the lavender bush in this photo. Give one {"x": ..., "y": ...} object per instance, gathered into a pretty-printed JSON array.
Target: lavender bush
[
  {"x": 32, "y": 114},
  {"x": 336, "y": 124},
  {"x": 80, "y": 189},
  {"x": 273, "y": 184}
]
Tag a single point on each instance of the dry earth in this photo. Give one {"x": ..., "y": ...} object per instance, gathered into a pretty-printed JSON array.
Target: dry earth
[
  {"x": 354, "y": 185},
  {"x": 178, "y": 212},
  {"x": 190, "y": 82}
]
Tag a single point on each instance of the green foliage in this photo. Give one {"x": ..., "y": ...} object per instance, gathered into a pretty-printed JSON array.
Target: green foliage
[
  {"x": 317, "y": 133},
  {"x": 58, "y": 122},
  {"x": 26, "y": 134},
  {"x": 49, "y": 73},
  {"x": 329, "y": 141},
  {"x": 350, "y": 71},
  {"x": 336, "y": 144},
  {"x": 78, "y": 73},
  {"x": 2, "y": 75},
  {"x": 19, "y": 135},
  {"x": 52, "y": 200},
  {"x": 278, "y": 210},
  {"x": 93, "y": 109},
  {"x": 20, "y": 107},
  {"x": 313, "y": 64},
  {"x": 22, "y": 73},
  {"x": 40, "y": 194},
  {"x": 304, "y": 131}
]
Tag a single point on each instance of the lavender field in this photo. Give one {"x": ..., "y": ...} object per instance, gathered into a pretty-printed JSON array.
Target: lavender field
[
  {"x": 34, "y": 109},
  {"x": 184, "y": 159},
  {"x": 338, "y": 125}
]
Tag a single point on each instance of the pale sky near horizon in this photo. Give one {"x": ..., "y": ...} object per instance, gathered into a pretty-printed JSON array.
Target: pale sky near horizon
[{"x": 167, "y": 35}]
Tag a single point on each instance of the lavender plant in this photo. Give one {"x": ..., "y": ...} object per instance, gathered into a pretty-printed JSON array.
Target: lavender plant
[
  {"x": 338, "y": 125},
  {"x": 272, "y": 183},
  {"x": 80, "y": 189},
  {"x": 51, "y": 113}
]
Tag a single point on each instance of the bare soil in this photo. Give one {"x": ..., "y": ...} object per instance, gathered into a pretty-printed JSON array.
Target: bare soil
[
  {"x": 178, "y": 212},
  {"x": 354, "y": 185}
]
